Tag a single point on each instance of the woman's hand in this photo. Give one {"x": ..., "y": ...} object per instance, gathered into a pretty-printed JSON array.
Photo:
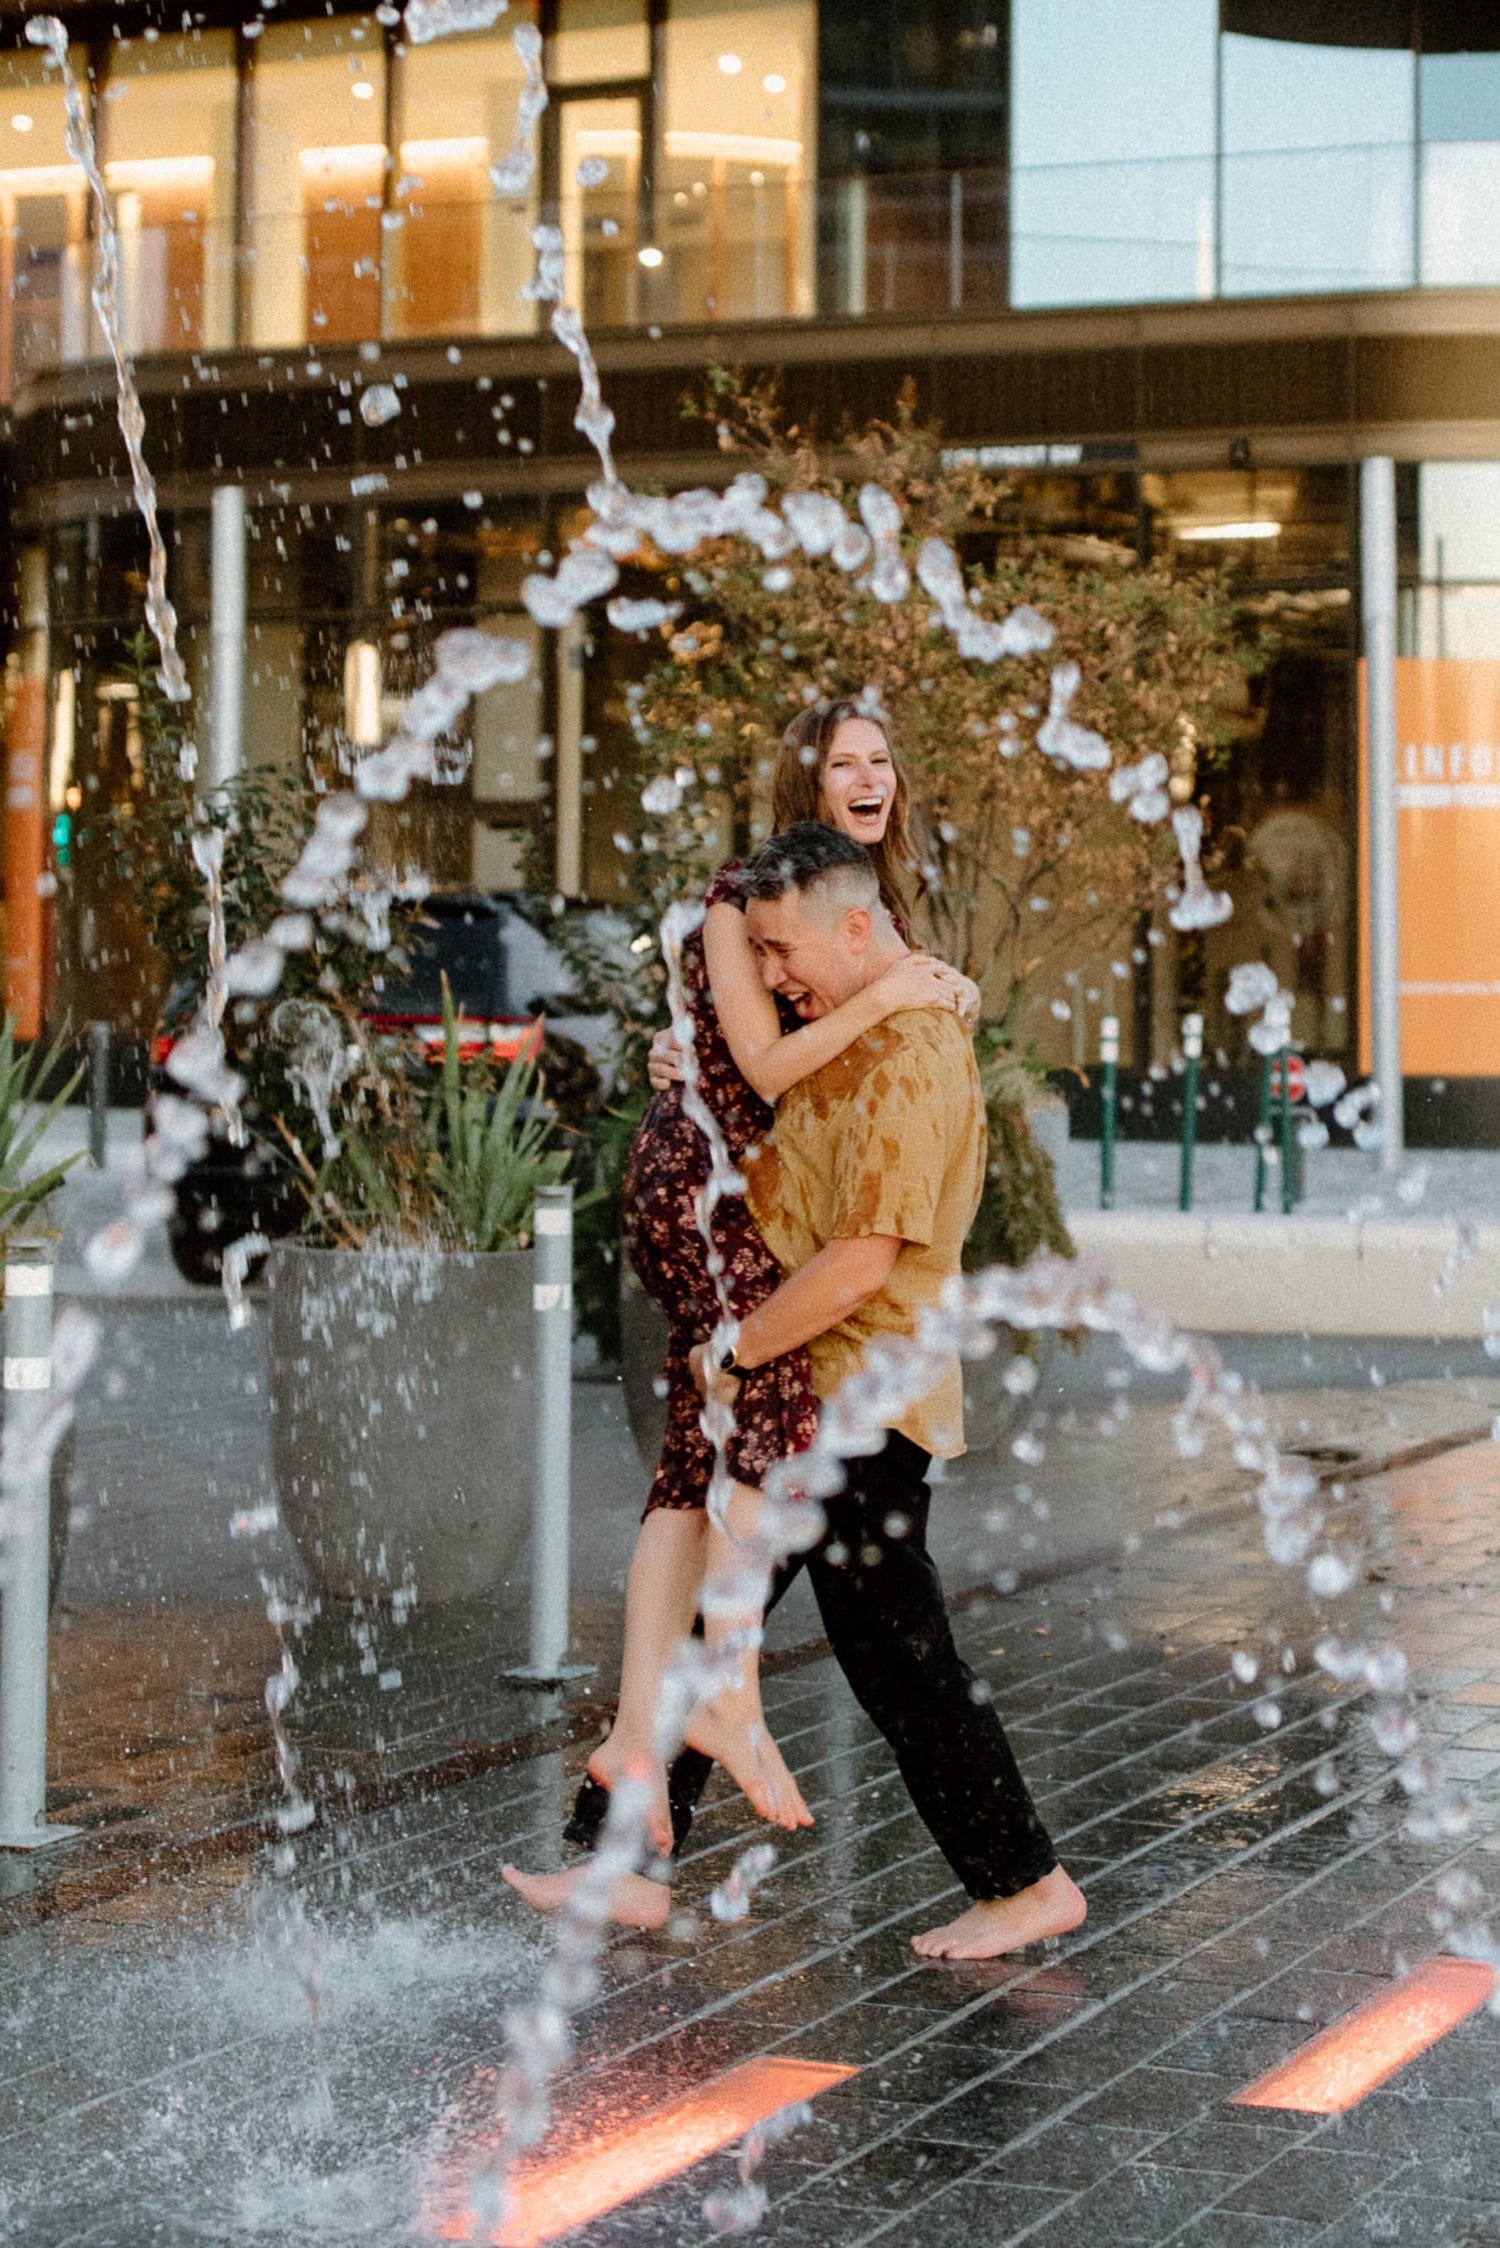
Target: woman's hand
[
  {"x": 918, "y": 980},
  {"x": 664, "y": 1062}
]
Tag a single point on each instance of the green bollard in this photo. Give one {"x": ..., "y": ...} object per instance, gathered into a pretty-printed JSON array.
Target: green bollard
[
  {"x": 1263, "y": 1132},
  {"x": 1192, "y": 1054},
  {"x": 1288, "y": 1150},
  {"x": 1109, "y": 1093}
]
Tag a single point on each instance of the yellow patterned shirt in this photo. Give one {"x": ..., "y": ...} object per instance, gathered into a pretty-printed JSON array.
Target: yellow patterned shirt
[{"x": 889, "y": 1138}]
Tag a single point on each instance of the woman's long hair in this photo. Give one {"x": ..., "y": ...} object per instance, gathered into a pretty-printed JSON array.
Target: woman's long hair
[{"x": 797, "y": 794}]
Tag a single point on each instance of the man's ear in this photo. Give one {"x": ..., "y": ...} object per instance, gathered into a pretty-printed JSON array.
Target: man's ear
[{"x": 858, "y": 924}]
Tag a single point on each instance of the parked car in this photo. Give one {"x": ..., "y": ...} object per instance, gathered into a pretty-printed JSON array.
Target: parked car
[{"x": 232, "y": 1191}]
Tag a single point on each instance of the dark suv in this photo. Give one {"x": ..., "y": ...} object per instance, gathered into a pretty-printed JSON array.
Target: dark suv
[{"x": 231, "y": 1191}]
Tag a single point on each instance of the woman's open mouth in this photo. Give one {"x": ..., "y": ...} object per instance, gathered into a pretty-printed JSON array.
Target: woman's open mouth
[{"x": 867, "y": 807}]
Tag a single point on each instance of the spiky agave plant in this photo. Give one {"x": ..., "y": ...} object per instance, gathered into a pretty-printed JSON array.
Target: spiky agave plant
[{"x": 23, "y": 1124}]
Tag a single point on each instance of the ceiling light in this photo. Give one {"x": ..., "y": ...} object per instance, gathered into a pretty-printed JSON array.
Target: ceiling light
[
  {"x": 773, "y": 82},
  {"x": 650, "y": 256},
  {"x": 1260, "y": 527},
  {"x": 21, "y": 123},
  {"x": 362, "y": 90},
  {"x": 730, "y": 65}
]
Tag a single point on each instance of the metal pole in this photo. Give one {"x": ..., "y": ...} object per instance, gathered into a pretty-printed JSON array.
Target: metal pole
[
  {"x": 1192, "y": 1055},
  {"x": 1377, "y": 524},
  {"x": 1109, "y": 1092},
  {"x": 24, "y": 1544},
  {"x": 1288, "y": 1154},
  {"x": 99, "y": 1095},
  {"x": 227, "y": 602},
  {"x": 552, "y": 1327},
  {"x": 1263, "y": 1133}
]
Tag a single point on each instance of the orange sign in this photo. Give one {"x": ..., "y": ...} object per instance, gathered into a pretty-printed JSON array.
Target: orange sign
[
  {"x": 1448, "y": 866},
  {"x": 25, "y": 855}
]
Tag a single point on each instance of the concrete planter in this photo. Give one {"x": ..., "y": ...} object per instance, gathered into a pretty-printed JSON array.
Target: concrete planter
[{"x": 401, "y": 1398}]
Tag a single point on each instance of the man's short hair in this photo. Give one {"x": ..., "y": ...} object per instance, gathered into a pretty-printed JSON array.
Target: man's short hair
[{"x": 816, "y": 860}]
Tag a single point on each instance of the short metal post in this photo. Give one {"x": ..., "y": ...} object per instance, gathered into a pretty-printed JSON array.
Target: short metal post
[
  {"x": 1192, "y": 1055},
  {"x": 552, "y": 1327},
  {"x": 24, "y": 1544},
  {"x": 1284, "y": 1122},
  {"x": 1263, "y": 1132},
  {"x": 1109, "y": 1096},
  {"x": 99, "y": 1095}
]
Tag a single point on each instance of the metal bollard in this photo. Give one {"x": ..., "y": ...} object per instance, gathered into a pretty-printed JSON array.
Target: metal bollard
[
  {"x": 23, "y": 1588},
  {"x": 99, "y": 1095},
  {"x": 1109, "y": 1096},
  {"x": 1192, "y": 1055},
  {"x": 551, "y": 1503},
  {"x": 1264, "y": 1153},
  {"x": 1288, "y": 1144}
]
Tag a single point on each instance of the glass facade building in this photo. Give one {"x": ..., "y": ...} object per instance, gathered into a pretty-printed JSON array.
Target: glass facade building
[{"x": 1180, "y": 263}]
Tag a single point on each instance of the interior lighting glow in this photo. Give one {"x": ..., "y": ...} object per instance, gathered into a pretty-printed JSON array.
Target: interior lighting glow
[
  {"x": 650, "y": 256},
  {"x": 1258, "y": 527},
  {"x": 21, "y": 123},
  {"x": 1334, "y": 2071},
  {"x": 550, "y": 2198},
  {"x": 434, "y": 155},
  {"x": 362, "y": 694},
  {"x": 730, "y": 65},
  {"x": 159, "y": 171},
  {"x": 773, "y": 82},
  {"x": 355, "y": 156},
  {"x": 736, "y": 148}
]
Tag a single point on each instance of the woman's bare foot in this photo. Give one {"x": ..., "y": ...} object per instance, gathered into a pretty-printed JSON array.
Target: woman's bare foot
[
  {"x": 634, "y": 1902},
  {"x": 732, "y": 1730},
  {"x": 609, "y": 1764},
  {"x": 993, "y": 1926}
]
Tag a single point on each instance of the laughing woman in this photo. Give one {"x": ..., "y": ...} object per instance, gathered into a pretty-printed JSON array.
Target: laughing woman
[{"x": 834, "y": 765}]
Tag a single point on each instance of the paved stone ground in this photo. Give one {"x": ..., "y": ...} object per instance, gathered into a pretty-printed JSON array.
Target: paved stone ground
[{"x": 201, "y": 2050}]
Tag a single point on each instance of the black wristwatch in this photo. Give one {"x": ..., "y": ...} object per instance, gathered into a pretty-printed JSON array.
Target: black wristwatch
[{"x": 730, "y": 1364}]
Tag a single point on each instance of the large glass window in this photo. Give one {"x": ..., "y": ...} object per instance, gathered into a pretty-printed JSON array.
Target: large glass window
[
  {"x": 1460, "y": 126},
  {"x": 733, "y": 218},
  {"x": 317, "y": 182},
  {"x": 1317, "y": 166},
  {"x": 1454, "y": 608},
  {"x": 598, "y": 41},
  {"x": 43, "y": 223},
  {"x": 167, "y": 128},
  {"x": 457, "y": 254},
  {"x": 1112, "y": 138}
]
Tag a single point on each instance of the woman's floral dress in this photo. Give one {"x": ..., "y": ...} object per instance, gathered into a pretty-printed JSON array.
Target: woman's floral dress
[{"x": 776, "y": 1412}]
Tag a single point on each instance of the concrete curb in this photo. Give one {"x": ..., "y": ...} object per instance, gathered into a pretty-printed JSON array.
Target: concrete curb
[{"x": 1231, "y": 1274}]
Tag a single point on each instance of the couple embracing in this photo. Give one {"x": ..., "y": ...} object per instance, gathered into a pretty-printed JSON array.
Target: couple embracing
[{"x": 839, "y": 1065}]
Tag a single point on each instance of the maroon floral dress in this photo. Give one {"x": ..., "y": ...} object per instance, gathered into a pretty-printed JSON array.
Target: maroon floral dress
[{"x": 776, "y": 1411}]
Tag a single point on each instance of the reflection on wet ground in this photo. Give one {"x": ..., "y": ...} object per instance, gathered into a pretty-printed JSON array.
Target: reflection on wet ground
[{"x": 174, "y": 2081}]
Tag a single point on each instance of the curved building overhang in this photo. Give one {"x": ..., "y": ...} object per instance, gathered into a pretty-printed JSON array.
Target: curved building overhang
[{"x": 1298, "y": 380}]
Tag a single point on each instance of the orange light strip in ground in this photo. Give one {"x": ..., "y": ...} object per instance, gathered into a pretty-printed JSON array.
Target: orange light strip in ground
[
  {"x": 1335, "y": 2069},
  {"x": 549, "y": 2198}
]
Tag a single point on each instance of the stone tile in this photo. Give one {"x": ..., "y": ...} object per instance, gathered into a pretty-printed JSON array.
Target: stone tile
[
  {"x": 1139, "y": 2206},
  {"x": 1403, "y": 2222},
  {"x": 1312, "y": 2181}
]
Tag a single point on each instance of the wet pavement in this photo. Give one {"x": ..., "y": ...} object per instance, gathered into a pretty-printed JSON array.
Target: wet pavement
[{"x": 201, "y": 2050}]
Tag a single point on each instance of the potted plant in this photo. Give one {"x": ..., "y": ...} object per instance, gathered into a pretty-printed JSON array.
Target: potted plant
[
  {"x": 24, "y": 1118},
  {"x": 401, "y": 1319}
]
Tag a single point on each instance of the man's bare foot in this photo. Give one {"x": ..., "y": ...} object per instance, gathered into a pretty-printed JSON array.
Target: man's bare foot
[
  {"x": 993, "y": 1926},
  {"x": 634, "y": 1903},
  {"x": 733, "y": 1732},
  {"x": 613, "y": 1759}
]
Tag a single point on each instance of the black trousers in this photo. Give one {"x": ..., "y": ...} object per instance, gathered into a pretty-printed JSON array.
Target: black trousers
[{"x": 887, "y": 1623}]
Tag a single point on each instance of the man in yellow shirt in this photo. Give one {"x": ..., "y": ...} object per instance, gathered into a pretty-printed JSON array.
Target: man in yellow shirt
[{"x": 865, "y": 1195}]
